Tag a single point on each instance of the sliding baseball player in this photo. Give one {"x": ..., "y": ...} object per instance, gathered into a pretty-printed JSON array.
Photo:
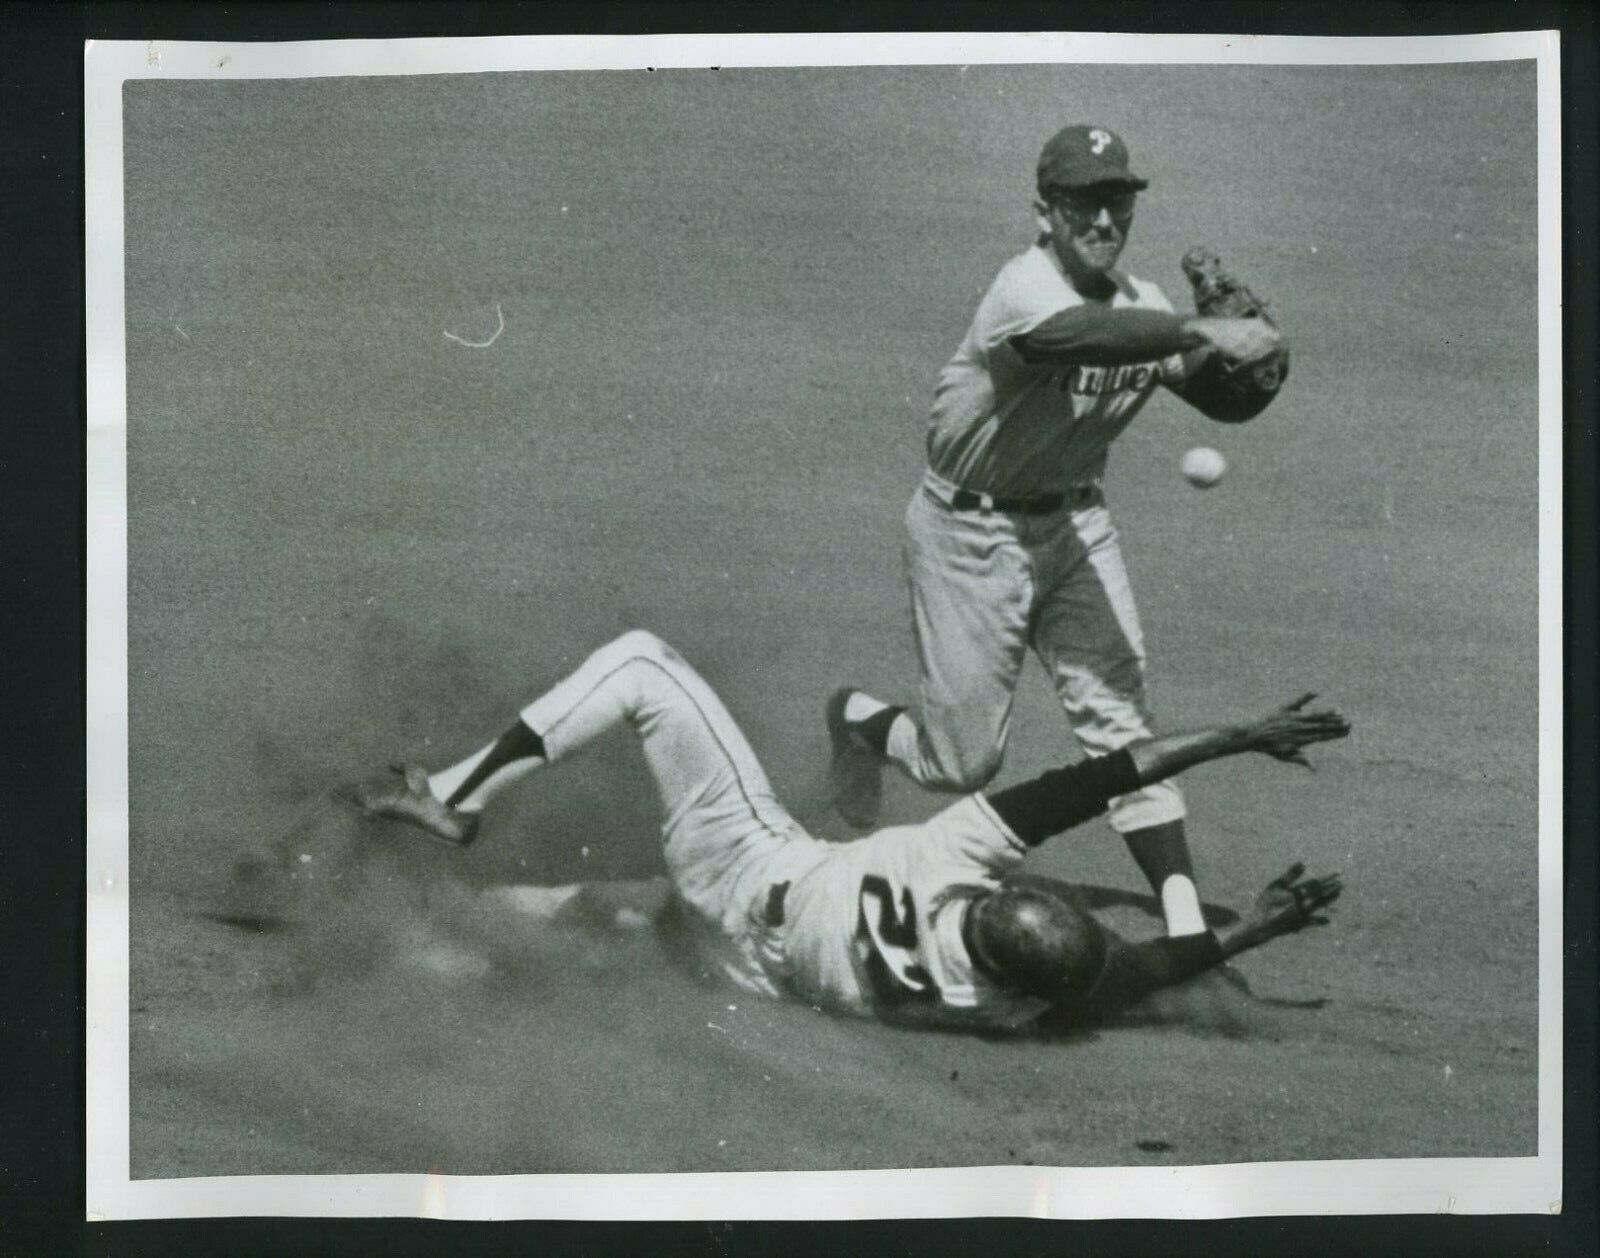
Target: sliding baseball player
[{"x": 925, "y": 924}]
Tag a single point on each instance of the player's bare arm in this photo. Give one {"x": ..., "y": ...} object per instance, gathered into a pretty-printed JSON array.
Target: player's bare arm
[
  {"x": 1059, "y": 799},
  {"x": 1037, "y": 938},
  {"x": 1288, "y": 904},
  {"x": 1035, "y": 934},
  {"x": 1283, "y": 734}
]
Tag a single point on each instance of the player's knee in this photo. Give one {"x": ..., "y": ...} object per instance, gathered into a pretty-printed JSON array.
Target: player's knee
[
  {"x": 1159, "y": 804},
  {"x": 966, "y": 769},
  {"x": 1036, "y": 940},
  {"x": 641, "y": 642}
]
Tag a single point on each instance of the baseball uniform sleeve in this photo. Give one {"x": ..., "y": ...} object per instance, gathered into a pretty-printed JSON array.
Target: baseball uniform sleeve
[
  {"x": 965, "y": 842},
  {"x": 1134, "y": 970},
  {"x": 1066, "y": 797},
  {"x": 1105, "y": 337},
  {"x": 1025, "y": 293},
  {"x": 1034, "y": 313}
]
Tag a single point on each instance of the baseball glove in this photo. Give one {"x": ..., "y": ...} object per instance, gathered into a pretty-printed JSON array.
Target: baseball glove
[{"x": 1221, "y": 295}]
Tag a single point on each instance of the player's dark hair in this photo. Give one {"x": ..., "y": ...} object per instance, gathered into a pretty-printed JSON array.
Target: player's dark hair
[{"x": 1032, "y": 939}]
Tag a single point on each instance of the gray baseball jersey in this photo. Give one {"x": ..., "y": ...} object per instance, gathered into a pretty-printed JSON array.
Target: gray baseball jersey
[{"x": 1002, "y": 427}]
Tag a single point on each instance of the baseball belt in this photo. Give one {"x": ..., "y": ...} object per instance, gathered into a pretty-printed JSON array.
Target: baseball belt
[
  {"x": 1035, "y": 504},
  {"x": 775, "y": 899}
]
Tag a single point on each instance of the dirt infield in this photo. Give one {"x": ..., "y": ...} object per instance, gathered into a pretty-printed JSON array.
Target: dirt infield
[{"x": 725, "y": 296}]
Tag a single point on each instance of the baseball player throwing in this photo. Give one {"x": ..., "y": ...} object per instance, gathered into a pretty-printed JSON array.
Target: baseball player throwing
[
  {"x": 913, "y": 923},
  {"x": 1009, "y": 543}
]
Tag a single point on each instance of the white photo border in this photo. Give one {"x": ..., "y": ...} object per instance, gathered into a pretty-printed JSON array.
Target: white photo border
[{"x": 1394, "y": 1186}]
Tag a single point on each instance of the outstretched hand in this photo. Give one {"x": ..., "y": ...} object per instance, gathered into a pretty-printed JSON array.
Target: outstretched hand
[
  {"x": 1292, "y": 902},
  {"x": 1282, "y": 734},
  {"x": 1238, "y": 340}
]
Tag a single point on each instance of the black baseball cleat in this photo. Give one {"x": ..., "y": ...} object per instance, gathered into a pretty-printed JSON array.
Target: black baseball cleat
[
  {"x": 855, "y": 771},
  {"x": 407, "y": 798}
]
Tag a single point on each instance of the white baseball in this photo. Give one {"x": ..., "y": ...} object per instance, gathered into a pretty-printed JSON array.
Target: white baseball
[{"x": 1203, "y": 467}]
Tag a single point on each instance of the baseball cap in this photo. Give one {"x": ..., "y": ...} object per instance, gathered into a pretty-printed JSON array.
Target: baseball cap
[
  {"x": 1080, "y": 156},
  {"x": 1034, "y": 939}
]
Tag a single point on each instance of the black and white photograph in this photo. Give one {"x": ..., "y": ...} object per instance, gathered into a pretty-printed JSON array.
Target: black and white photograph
[{"x": 986, "y": 609}]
